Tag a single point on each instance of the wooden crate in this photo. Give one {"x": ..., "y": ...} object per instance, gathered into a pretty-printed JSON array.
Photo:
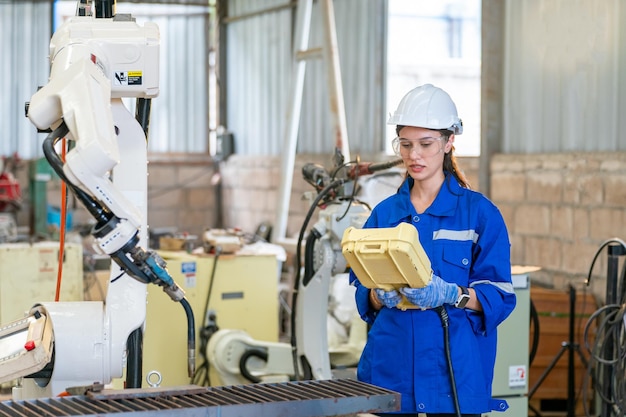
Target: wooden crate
[{"x": 553, "y": 309}]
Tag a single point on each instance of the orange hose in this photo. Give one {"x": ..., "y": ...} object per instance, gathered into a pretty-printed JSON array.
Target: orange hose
[{"x": 61, "y": 229}]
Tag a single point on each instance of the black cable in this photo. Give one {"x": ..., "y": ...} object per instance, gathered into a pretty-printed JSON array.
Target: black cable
[
  {"x": 445, "y": 321},
  {"x": 191, "y": 337},
  {"x": 243, "y": 366},
  {"x": 352, "y": 197},
  {"x": 534, "y": 319},
  {"x": 218, "y": 252},
  {"x": 94, "y": 208},
  {"x": 608, "y": 349},
  {"x": 142, "y": 113},
  {"x": 104, "y": 8},
  {"x": 309, "y": 254},
  {"x": 598, "y": 252},
  {"x": 610, "y": 327},
  {"x": 135, "y": 354},
  {"x": 333, "y": 174},
  {"x": 209, "y": 327}
]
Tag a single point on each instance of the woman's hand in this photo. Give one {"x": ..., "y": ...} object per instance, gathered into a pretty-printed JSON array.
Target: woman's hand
[
  {"x": 435, "y": 294},
  {"x": 389, "y": 299}
]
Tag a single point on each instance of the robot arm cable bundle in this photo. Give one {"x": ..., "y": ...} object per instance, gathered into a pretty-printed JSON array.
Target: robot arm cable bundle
[{"x": 94, "y": 208}]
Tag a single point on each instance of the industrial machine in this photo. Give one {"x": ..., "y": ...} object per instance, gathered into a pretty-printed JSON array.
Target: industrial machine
[
  {"x": 29, "y": 272},
  {"x": 239, "y": 359},
  {"x": 95, "y": 61},
  {"x": 74, "y": 349},
  {"x": 229, "y": 291}
]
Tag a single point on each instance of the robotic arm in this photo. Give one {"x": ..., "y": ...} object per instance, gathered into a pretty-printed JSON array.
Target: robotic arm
[
  {"x": 117, "y": 59},
  {"x": 238, "y": 358},
  {"x": 94, "y": 63}
]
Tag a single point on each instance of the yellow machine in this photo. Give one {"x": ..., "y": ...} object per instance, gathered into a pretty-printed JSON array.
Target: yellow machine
[
  {"x": 241, "y": 294},
  {"x": 29, "y": 272}
]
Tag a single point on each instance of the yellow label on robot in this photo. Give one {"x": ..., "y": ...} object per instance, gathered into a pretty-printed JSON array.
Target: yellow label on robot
[{"x": 387, "y": 258}]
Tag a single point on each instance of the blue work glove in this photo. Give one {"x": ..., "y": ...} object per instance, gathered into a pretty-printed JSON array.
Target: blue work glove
[
  {"x": 390, "y": 299},
  {"x": 435, "y": 294}
]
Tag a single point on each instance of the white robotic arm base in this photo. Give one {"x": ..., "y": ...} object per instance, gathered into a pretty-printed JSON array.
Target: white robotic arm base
[{"x": 239, "y": 359}]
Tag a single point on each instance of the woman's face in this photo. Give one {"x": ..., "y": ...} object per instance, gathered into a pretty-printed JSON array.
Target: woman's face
[{"x": 422, "y": 151}]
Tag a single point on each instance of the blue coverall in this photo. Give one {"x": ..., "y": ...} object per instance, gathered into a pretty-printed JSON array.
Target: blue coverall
[{"x": 465, "y": 237}]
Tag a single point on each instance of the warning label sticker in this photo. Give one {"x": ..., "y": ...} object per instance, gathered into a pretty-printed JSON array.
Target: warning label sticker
[
  {"x": 189, "y": 271},
  {"x": 517, "y": 376},
  {"x": 127, "y": 78}
]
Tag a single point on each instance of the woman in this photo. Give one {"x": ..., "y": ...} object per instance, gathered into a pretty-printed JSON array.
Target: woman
[{"x": 466, "y": 240}]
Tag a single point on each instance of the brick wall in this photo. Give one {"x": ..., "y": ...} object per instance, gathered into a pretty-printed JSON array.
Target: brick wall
[
  {"x": 560, "y": 209},
  {"x": 251, "y": 190},
  {"x": 181, "y": 194}
]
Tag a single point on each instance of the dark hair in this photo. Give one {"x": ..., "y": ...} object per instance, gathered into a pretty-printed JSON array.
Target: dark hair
[{"x": 450, "y": 163}]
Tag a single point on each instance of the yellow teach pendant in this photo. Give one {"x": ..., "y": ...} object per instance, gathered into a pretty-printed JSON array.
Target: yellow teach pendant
[{"x": 387, "y": 258}]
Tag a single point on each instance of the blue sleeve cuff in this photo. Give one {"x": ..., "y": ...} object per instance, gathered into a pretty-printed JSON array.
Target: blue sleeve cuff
[{"x": 497, "y": 306}]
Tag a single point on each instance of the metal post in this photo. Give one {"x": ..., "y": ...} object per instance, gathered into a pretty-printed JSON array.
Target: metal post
[
  {"x": 571, "y": 369},
  {"x": 608, "y": 377}
]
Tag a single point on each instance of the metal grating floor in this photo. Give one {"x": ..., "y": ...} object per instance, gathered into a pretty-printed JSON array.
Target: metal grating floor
[{"x": 337, "y": 397}]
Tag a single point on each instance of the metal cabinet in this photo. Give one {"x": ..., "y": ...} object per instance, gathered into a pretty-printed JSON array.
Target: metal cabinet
[
  {"x": 510, "y": 380},
  {"x": 28, "y": 275}
]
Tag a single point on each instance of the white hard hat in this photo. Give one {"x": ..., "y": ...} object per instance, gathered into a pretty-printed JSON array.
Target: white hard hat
[{"x": 429, "y": 107}]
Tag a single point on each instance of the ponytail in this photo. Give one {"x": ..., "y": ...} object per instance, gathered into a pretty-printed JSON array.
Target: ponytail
[{"x": 450, "y": 163}]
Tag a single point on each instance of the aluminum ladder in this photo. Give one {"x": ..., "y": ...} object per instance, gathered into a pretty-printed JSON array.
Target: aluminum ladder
[{"x": 301, "y": 53}]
